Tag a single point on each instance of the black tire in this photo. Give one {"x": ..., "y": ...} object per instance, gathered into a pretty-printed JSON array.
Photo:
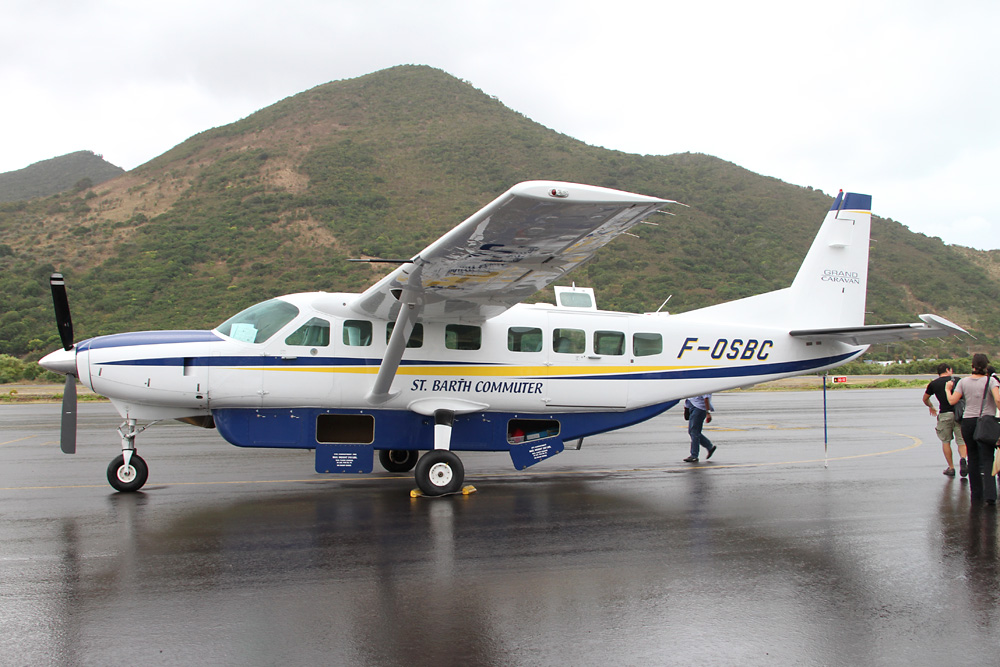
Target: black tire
[
  {"x": 130, "y": 480},
  {"x": 439, "y": 472},
  {"x": 398, "y": 460}
]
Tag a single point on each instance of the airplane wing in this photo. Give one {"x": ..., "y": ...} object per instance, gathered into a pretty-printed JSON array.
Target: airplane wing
[
  {"x": 524, "y": 240},
  {"x": 932, "y": 326}
]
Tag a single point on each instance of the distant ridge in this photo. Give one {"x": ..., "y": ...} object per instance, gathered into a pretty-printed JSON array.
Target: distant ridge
[{"x": 55, "y": 175}]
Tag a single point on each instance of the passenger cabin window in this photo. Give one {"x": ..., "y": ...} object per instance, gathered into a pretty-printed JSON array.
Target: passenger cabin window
[
  {"x": 569, "y": 341},
  {"x": 647, "y": 344},
  {"x": 357, "y": 333},
  {"x": 258, "y": 323},
  {"x": 416, "y": 336},
  {"x": 463, "y": 337},
  {"x": 524, "y": 339},
  {"x": 314, "y": 333},
  {"x": 609, "y": 342}
]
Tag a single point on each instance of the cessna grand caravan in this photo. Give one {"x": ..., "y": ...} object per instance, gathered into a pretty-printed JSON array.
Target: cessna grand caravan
[{"x": 442, "y": 356}]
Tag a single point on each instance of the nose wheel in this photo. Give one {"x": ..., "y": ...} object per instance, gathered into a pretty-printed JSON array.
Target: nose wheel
[{"x": 129, "y": 477}]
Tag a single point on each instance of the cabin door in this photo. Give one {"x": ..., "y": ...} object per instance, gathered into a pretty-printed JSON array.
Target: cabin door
[{"x": 588, "y": 363}]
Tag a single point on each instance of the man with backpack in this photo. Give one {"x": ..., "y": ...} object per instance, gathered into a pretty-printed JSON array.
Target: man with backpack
[{"x": 948, "y": 419}]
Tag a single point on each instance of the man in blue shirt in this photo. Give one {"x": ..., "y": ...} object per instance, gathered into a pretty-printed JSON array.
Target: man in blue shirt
[{"x": 700, "y": 408}]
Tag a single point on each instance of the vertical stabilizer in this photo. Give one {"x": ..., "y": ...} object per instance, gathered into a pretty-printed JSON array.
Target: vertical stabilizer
[{"x": 829, "y": 289}]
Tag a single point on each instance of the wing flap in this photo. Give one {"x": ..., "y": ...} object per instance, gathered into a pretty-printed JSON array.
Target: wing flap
[
  {"x": 931, "y": 326},
  {"x": 524, "y": 240}
]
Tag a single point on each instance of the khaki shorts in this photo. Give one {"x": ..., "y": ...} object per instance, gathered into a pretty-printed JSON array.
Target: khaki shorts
[{"x": 947, "y": 426}]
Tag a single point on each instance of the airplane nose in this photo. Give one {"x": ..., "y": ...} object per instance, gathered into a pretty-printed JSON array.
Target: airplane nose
[{"x": 60, "y": 361}]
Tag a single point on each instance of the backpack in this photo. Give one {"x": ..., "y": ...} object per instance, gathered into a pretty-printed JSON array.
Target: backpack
[{"x": 960, "y": 406}]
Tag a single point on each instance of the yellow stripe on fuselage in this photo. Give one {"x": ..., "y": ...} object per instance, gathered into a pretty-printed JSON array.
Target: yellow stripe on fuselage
[{"x": 481, "y": 371}]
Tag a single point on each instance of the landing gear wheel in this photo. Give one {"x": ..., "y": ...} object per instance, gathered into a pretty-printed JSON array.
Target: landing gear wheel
[
  {"x": 128, "y": 479},
  {"x": 439, "y": 472},
  {"x": 398, "y": 460}
]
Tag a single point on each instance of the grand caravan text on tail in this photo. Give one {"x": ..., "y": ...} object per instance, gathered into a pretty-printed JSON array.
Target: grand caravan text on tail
[{"x": 441, "y": 355}]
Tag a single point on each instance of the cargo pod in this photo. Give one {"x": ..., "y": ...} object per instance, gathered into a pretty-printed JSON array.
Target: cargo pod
[{"x": 532, "y": 440}]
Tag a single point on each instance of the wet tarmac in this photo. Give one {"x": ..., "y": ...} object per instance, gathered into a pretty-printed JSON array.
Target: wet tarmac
[{"x": 618, "y": 553}]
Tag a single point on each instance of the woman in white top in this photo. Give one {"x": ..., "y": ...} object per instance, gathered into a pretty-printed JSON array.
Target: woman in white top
[{"x": 982, "y": 394}]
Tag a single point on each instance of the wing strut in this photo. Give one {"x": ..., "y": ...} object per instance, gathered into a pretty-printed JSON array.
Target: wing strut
[{"x": 393, "y": 354}]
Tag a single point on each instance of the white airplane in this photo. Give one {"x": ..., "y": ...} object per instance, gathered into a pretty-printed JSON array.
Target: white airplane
[{"x": 441, "y": 356}]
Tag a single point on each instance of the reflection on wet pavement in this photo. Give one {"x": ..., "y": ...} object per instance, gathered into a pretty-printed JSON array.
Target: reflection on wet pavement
[{"x": 875, "y": 560}]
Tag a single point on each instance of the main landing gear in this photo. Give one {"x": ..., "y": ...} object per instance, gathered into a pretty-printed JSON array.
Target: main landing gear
[
  {"x": 128, "y": 473},
  {"x": 439, "y": 472}
]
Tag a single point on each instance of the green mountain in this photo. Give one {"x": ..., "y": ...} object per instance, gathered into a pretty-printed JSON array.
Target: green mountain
[
  {"x": 382, "y": 165},
  {"x": 76, "y": 171}
]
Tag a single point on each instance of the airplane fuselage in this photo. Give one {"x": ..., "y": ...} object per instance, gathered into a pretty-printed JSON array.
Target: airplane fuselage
[{"x": 575, "y": 372}]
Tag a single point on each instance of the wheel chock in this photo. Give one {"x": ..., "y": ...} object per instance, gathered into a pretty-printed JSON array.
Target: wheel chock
[{"x": 466, "y": 490}]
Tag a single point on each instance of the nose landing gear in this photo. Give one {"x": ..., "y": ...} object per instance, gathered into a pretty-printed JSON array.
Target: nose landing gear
[{"x": 129, "y": 472}]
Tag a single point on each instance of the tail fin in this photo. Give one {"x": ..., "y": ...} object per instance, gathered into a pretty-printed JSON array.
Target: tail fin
[{"x": 829, "y": 289}]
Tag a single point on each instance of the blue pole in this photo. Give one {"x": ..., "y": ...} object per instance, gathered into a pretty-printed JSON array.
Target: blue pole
[{"x": 826, "y": 456}]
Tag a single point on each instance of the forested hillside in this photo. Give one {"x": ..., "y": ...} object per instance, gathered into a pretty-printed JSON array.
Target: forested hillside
[
  {"x": 382, "y": 165},
  {"x": 77, "y": 171}
]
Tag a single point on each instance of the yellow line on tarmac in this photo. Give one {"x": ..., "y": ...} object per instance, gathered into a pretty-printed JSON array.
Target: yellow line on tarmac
[{"x": 10, "y": 442}]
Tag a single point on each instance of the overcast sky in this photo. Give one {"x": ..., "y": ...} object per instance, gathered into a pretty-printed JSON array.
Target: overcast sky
[{"x": 897, "y": 99}]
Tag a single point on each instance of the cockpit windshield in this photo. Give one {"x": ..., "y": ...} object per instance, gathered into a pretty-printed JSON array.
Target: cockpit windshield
[{"x": 258, "y": 323}]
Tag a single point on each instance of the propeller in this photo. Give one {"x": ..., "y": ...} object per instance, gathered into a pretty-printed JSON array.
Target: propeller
[
  {"x": 63, "y": 320},
  {"x": 67, "y": 435},
  {"x": 67, "y": 428}
]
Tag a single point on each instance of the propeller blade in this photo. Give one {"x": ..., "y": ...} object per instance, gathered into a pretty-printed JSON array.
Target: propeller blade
[
  {"x": 67, "y": 435},
  {"x": 63, "y": 320}
]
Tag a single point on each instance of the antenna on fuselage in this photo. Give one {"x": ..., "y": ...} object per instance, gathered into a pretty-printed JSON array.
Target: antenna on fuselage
[{"x": 664, "y": 303}]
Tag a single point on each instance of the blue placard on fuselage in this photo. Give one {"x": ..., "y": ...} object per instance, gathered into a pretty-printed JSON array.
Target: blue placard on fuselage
[
  {"x": 345, "y": 458},
  {"x": 532, "y": 451}
]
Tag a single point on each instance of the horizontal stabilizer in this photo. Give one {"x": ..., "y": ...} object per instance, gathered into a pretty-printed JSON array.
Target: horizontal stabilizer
[{"x": 931, "y": 326}]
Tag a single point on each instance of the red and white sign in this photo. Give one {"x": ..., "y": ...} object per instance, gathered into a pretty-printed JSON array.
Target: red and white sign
[{"x": 840, "y": 378}]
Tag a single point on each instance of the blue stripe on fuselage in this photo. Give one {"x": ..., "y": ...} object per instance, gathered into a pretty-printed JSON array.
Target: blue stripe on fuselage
[
  {"x": 784, "y": 367},
  {"x": 720, "y": 371}
]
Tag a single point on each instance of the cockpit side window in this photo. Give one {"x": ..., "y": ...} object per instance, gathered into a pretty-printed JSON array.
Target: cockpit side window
[
  {"x": 258, "y": 323},
  {"x": 314, "y": 333}
]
